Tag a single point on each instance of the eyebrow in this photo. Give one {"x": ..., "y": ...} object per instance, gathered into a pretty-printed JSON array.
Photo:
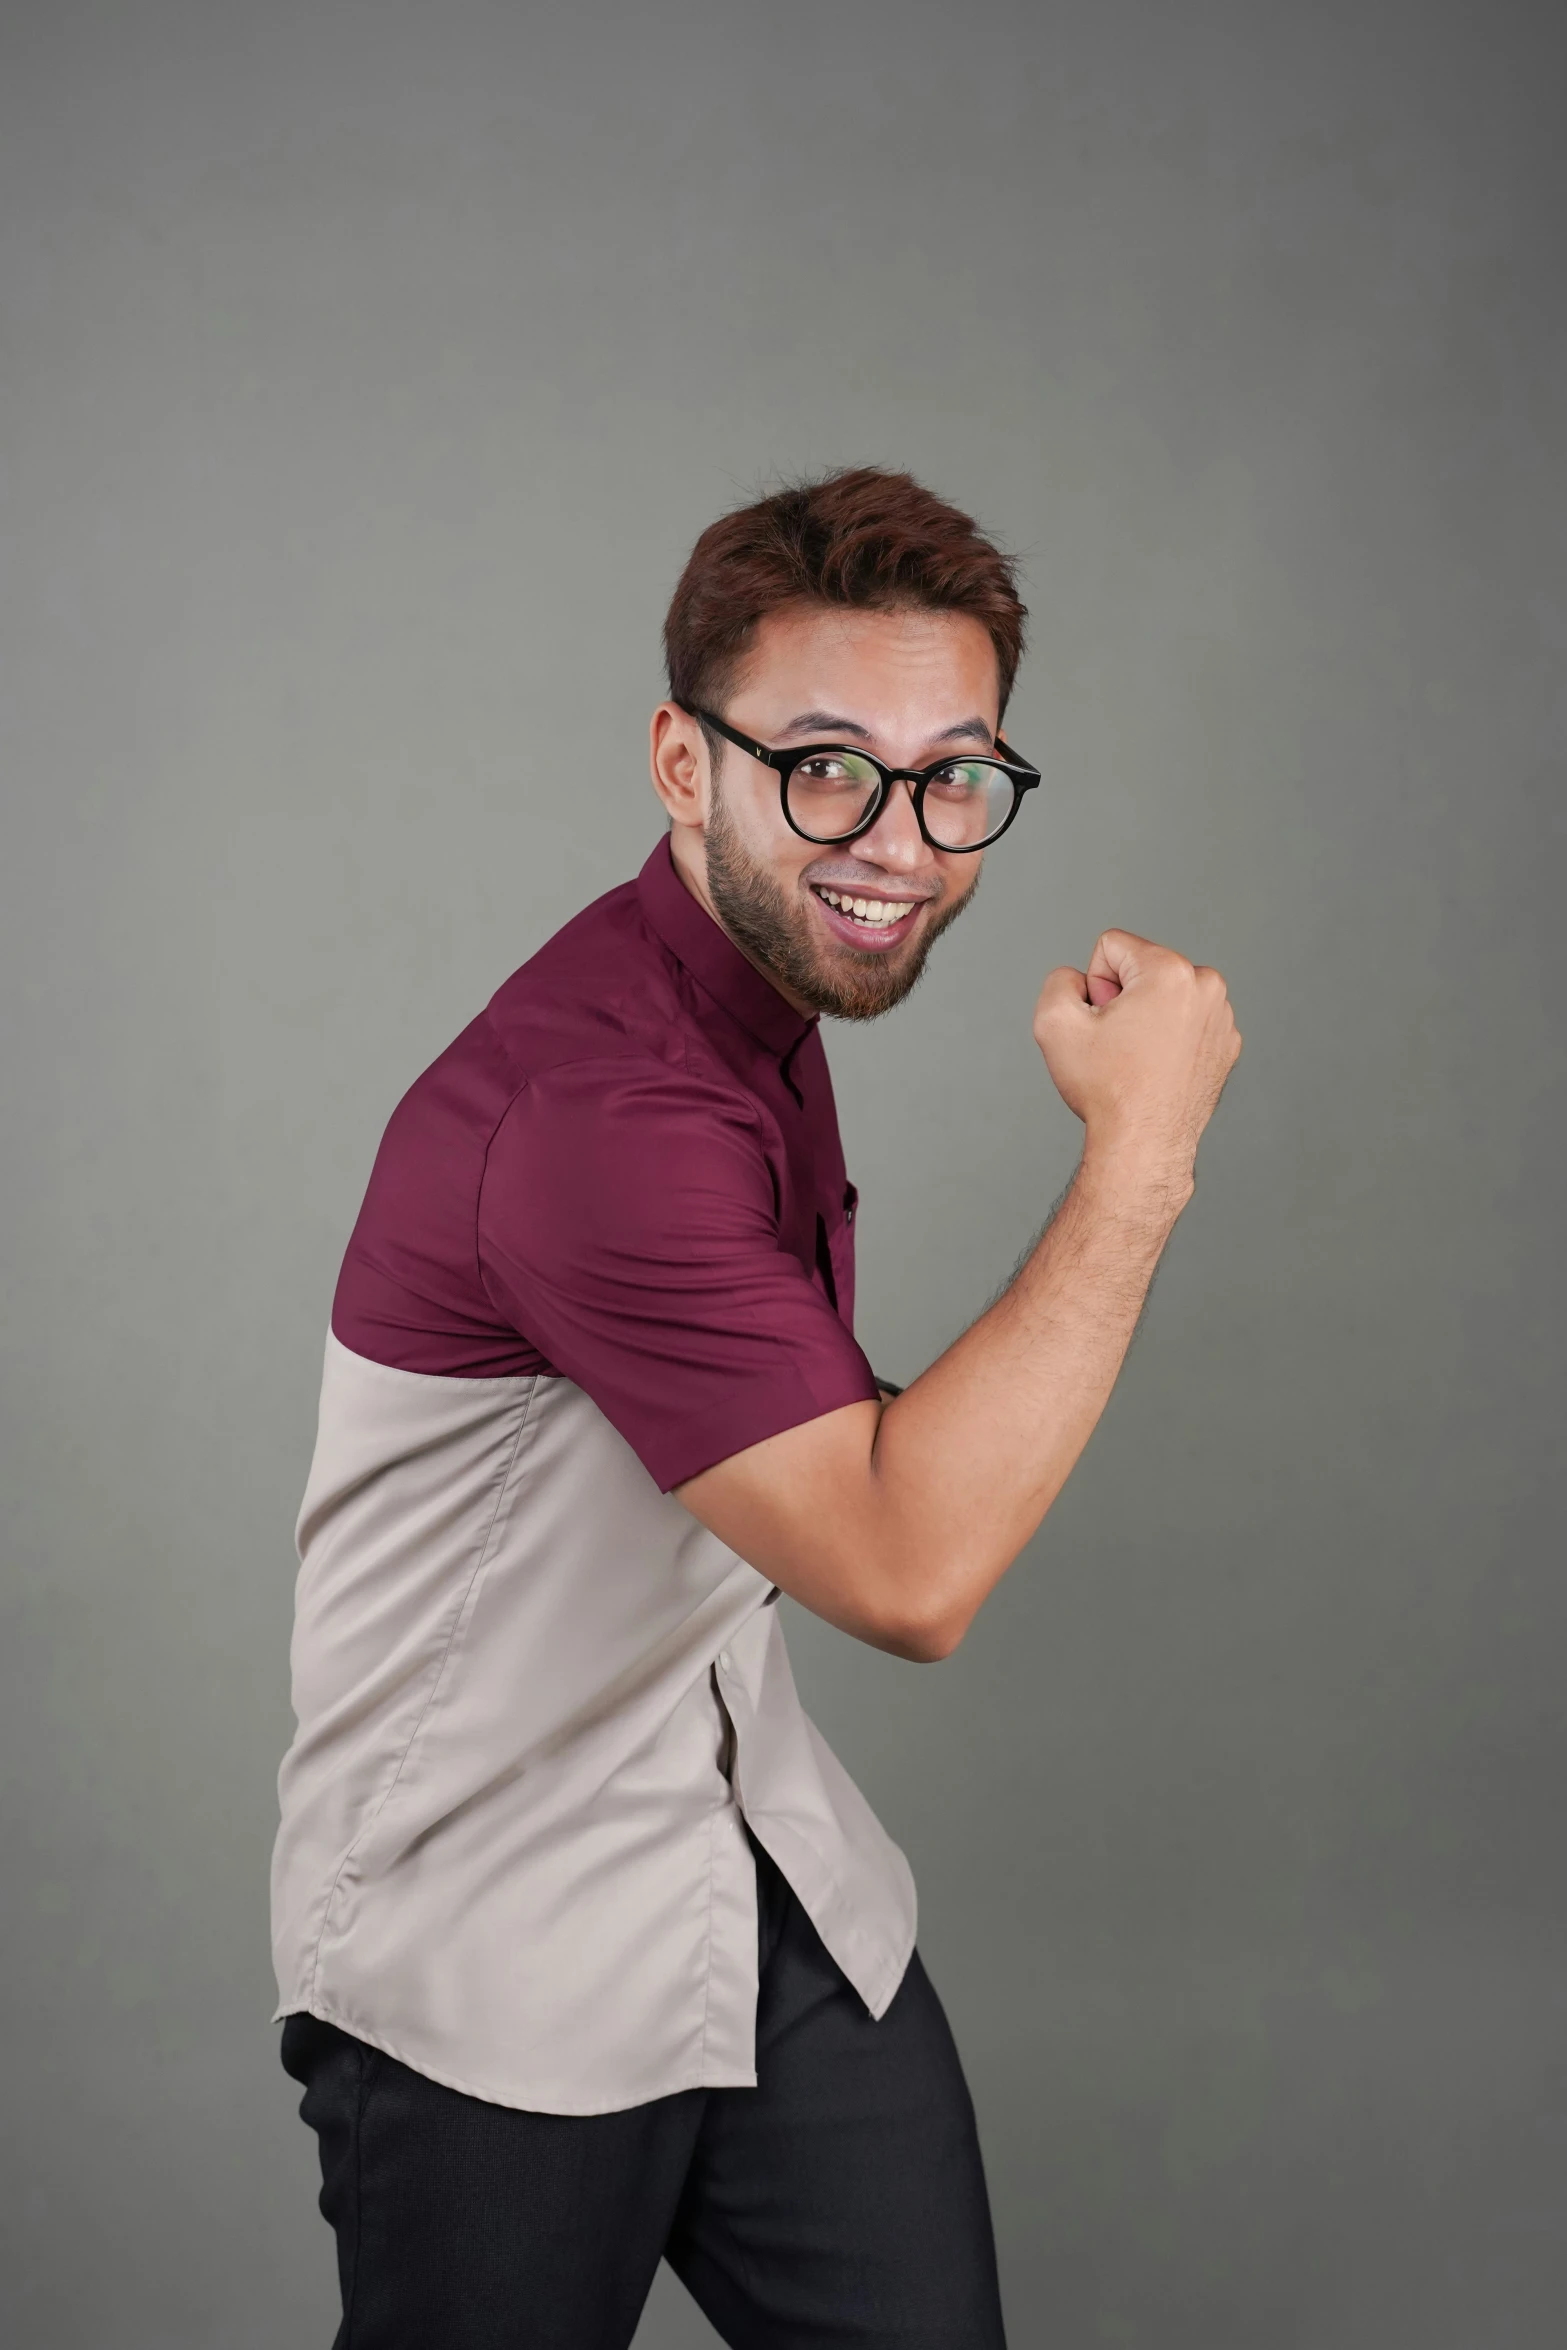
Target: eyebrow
[{"x": 832, "y": 722}]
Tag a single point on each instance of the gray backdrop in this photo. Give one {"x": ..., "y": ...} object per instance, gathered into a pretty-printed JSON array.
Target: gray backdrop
[{"x": 367, "y": 372}]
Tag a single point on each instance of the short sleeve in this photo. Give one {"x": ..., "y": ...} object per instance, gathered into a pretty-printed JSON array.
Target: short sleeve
[{"x": 628, "y": 1227}]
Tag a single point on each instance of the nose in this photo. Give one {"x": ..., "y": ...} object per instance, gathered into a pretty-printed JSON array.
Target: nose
[{"x": 895, "y": 841}]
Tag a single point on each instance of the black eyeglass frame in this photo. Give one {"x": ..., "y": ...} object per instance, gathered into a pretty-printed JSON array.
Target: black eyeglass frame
[{"x": 1018, "y": 772}]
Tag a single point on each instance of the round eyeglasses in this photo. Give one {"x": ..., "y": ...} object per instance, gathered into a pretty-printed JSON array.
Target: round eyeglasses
[{"x": 832, "y": 792}]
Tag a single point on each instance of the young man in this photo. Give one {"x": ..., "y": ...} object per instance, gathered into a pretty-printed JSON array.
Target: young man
[{"x": 590, "y": 1952}]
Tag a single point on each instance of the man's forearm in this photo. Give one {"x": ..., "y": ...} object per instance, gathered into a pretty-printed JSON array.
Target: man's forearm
[
  {"x": 894, "y": 1519},
  {"x": 969, "y": 1458}
]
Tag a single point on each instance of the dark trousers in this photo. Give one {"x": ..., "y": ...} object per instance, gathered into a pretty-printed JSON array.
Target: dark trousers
[{"x": 840, "y": 2202}]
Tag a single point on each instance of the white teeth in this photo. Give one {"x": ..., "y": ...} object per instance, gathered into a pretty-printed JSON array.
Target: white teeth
[{"x": 876, "y": 913}]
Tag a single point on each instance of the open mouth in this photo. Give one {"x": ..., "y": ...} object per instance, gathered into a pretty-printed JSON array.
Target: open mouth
[{"x": 864, "y": 920}]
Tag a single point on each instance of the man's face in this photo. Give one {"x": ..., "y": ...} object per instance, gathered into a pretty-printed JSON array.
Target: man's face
[{"x": 908, "y": 686}]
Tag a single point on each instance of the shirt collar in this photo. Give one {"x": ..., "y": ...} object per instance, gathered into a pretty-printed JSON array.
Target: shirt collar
[{"x": 695, "y": 939}]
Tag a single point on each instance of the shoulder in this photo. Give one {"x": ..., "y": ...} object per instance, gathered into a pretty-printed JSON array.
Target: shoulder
[{"x": 603, "y": 985}]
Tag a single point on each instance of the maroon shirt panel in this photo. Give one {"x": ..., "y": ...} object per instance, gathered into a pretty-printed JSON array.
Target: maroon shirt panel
[{"x": 626, "y": 1170}]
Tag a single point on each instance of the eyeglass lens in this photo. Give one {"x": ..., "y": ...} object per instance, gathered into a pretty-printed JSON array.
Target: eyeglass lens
[{"x": 831, "y": 794}]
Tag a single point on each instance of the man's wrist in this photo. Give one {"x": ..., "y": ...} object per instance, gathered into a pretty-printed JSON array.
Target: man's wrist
[{"x": 1134, "y": 1175}]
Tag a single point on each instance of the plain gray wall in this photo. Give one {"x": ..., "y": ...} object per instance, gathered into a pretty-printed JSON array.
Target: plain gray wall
[{"x": 367, "y": 373}]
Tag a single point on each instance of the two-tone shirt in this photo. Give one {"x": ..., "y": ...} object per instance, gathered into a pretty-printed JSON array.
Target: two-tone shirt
[{"x": 607, "y": 1242}]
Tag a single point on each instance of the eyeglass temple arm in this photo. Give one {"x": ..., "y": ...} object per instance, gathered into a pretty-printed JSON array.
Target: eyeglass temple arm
[{"x": 742, "y": 742}]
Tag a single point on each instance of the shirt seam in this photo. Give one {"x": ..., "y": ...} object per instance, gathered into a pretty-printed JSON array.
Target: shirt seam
[
  {"x": 480, "y": 1563},
  {"x": 478, "y": 1207},
  {"x": 707, "y": 1985}
]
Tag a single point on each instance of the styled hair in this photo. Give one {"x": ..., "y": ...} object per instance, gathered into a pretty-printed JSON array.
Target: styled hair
[{"x": 878, "y": 542}]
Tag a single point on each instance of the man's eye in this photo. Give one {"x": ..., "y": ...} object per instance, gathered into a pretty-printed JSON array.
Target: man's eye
[{"x": 824, "y": 770}]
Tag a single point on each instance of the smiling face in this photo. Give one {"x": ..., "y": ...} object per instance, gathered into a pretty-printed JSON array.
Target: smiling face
[{"x": 841, "y": 930}]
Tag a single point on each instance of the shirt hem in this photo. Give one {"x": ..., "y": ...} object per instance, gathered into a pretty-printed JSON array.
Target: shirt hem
[
  {"x": 704, "y": 2077},
  {"x": 773, "y": 1417}
]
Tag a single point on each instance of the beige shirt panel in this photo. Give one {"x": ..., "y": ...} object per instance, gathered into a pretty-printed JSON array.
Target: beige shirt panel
[{"x": 511, "y": 1854}]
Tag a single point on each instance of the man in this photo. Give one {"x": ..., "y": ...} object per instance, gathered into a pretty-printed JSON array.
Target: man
[{"x": 589, "y": 1950}]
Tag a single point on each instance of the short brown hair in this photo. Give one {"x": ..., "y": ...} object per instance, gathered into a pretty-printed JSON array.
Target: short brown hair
[{"x": 879, "y": 541}]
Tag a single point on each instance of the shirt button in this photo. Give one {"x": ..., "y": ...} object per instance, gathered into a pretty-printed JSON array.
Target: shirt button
[{"x": 723, "y": 1660}]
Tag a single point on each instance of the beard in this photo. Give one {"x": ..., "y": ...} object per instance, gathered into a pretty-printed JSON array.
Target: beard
[{"x": 775, "y": 931}]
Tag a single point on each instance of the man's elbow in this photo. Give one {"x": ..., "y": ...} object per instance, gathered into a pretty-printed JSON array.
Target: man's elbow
[{"x": 923, "y": 1635}]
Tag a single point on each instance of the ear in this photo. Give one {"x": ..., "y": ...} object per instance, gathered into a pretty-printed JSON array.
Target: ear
[{"x": 679, "y": 763}]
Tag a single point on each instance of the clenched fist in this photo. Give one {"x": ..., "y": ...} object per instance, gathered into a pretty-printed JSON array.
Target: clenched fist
[{"x": 1139, "y": 1047}]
